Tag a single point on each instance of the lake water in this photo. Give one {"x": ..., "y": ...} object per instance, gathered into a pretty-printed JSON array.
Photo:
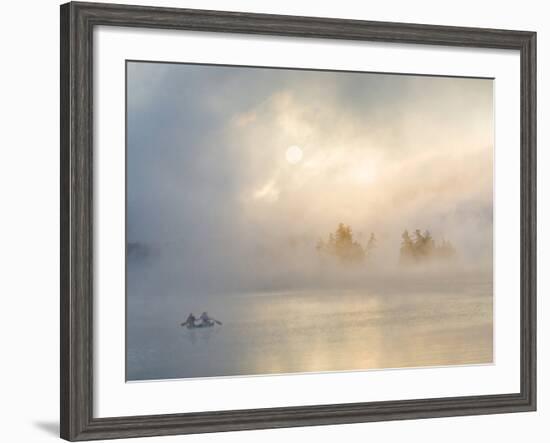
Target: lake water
[{"x": 311, "y": 331}]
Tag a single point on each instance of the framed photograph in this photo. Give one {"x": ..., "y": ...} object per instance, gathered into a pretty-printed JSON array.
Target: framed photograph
[{"x": 272, "y": 221}]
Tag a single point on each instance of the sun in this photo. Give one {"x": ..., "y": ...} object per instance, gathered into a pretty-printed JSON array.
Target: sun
[{"x": 294, "y": 154}]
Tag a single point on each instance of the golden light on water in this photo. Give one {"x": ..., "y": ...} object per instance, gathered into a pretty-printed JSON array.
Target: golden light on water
[{"x": 294, "y": 154}]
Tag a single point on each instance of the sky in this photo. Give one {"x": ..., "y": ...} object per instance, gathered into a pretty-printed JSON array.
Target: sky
[{"x": 234, "y": 173}]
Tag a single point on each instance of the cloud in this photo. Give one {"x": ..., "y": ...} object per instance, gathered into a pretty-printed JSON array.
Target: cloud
[{"x": 208, "y": 179}]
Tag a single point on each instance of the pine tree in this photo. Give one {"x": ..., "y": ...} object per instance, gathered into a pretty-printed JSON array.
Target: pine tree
[{"x": 341, "y": 245}]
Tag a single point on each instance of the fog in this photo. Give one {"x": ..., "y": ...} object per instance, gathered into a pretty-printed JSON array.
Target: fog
[{"x": 215, "y": 206}]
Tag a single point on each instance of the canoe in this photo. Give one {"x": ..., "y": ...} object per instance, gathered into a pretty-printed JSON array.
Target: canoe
[{"x": 201, "y": 325}]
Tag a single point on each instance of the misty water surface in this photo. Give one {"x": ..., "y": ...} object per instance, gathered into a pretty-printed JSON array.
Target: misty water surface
[{"x": 311, "y": 330}]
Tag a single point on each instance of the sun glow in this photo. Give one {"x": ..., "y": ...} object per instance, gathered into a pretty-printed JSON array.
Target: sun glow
[{"x": 294, "y": 155}]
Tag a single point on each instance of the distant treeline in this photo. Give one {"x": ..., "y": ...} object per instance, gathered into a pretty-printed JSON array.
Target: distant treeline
[
  {"x": 422, "y": 247},
  {"x": 341, "y": 244},
  {"x": 416, "y": 249}
]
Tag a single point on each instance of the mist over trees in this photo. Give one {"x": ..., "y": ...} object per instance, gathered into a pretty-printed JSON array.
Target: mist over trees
[
  {"x": 371, "y": 244},
  {"x": 421, "y": 247},
  {"x": 416, "y": 248},
  {"x": 341, "y": 244}
]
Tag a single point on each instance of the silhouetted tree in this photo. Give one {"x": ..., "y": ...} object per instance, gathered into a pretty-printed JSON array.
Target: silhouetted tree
[
  {"x": 341, "y": 245},
  {"x": 423, "y": 248},
  {"x": 371, "y": 245}
]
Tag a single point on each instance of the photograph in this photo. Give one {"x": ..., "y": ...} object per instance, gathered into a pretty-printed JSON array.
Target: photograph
[{"x": 284, "y": 221}]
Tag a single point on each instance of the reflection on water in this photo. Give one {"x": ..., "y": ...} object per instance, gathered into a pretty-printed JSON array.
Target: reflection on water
[
  {"x": 201, "y": 336},
  {"x": 309, "y": 331}
]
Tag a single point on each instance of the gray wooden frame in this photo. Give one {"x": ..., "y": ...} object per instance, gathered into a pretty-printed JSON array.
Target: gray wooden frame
[{"x": 77, "y": 23}]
